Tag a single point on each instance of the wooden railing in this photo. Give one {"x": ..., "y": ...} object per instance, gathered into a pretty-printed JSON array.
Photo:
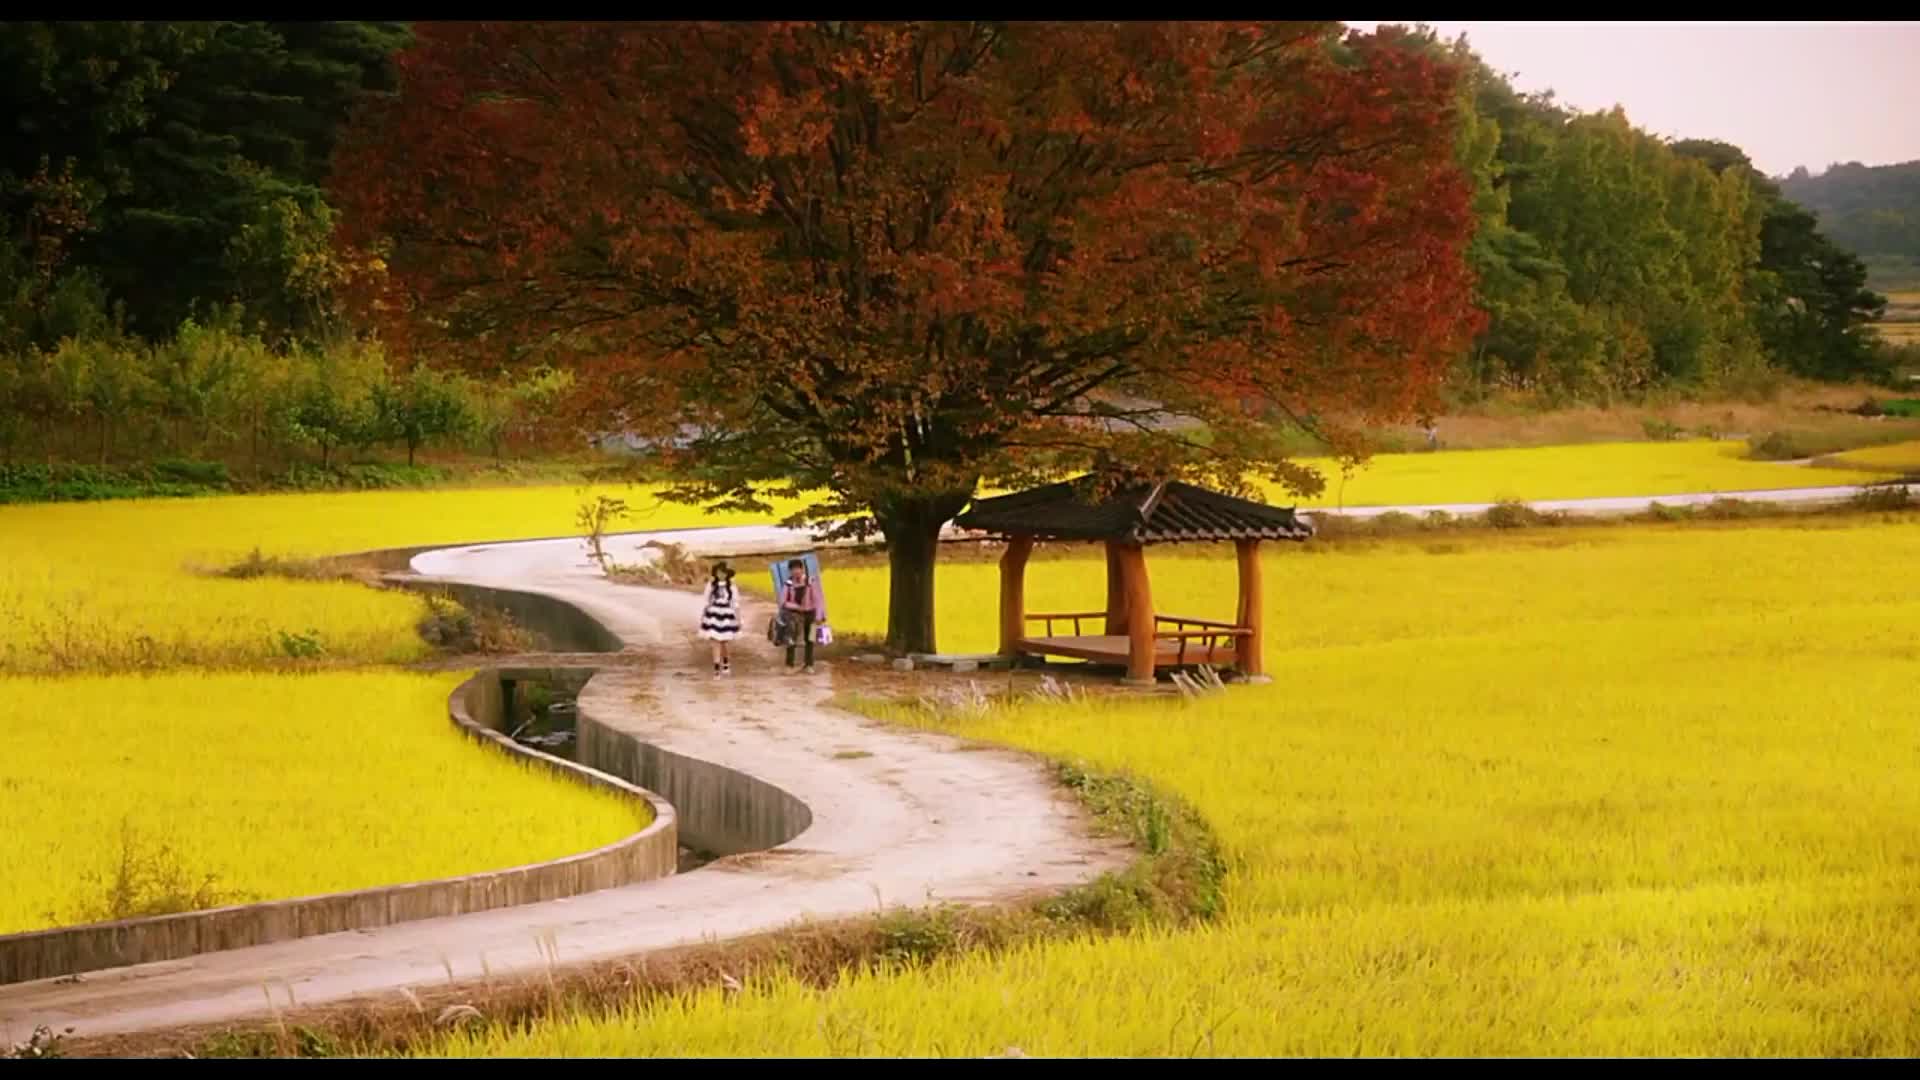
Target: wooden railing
[
  {"x": 1208, "y": 637},
  {"x": 1217, "y": 635},
  {"x": 1076, "y": 616}
]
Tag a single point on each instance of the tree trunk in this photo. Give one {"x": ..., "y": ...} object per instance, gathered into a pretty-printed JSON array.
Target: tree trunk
[{"x": 912, "y": 528}]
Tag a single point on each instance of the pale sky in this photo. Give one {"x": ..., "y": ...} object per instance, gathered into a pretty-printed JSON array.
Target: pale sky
[{"x": 1788, "y": 93}]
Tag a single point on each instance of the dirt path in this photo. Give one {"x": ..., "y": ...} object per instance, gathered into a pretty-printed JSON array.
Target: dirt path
[{"x": 898, "y": 819}]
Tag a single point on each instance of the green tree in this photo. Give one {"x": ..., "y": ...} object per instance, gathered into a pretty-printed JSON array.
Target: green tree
[
  {"x": 1536, "y": 337},
  {"x": 420, "y": 405},
  {"x": 504, "y": 404},
  {"x": 332, "y": 403},
  {"x": 228, "y": 175},
  {"x": 1811, "y": 304},
  {"x": 147, "y": 151},
  {"x": 1607, "y": 263},
  {"x": 77, "y": 93}
]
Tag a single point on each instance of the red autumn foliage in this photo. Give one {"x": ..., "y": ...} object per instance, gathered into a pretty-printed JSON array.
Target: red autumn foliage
[{"x": 891, "y": 259}]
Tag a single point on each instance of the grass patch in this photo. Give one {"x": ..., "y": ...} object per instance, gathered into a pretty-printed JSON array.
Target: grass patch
[
  {"x": 465, "y": 630},
  {"x": 174, "y": 478},
  {"x": 363, "y": 766},
  {"x": 670, "y": 567},
  {"x": 1560, "y": 472},
  {"x": 146, "y": 877},
  {"x": 1512, "y": 419},
  {"x": 1899, "y": 457},
  {"x": 1837, "y": 450},
  {"x": 44, "y": 1043}
]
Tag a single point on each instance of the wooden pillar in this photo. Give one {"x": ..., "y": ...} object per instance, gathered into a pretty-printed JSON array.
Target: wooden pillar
[
  {"x": 1116, "y": 593},
  {"x": 1013, "y": 592},
  {"x": 1139, "y": 597},
  {"x": 1252, "y": 647}
]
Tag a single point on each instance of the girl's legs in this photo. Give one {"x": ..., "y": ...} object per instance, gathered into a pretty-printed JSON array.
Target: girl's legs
[
  {"x": 718, "y": 647},
  {"x": 726, "y": 659}
]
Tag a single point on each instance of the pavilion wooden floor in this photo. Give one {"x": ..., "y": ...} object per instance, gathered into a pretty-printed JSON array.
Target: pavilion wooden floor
[{"x": 1113, "y": 649}]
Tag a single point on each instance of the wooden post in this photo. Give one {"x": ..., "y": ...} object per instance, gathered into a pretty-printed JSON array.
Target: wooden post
[
  {"x": 1116, "y": 593},
  {"x": 1013, "y": 593},
  {"x": 1251, "y": 650},
  {"x": 1139, "y": 596}
]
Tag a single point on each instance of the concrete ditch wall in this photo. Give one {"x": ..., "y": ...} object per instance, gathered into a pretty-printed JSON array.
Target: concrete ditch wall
[
  {"x": 563, "y": 627},
  {"x": 474, "y": 707},
  {"x": 722, "y": 811}
]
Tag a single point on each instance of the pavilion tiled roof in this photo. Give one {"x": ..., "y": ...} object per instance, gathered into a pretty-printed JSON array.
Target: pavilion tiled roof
[{"x": 1144, "y": 512}]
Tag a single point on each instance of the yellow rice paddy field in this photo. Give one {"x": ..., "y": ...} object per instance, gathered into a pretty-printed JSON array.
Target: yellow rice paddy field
[
  {"x": 115, "y": 586},
  {"x": 1900, "y": 457},
  {"x": 275, "y": 786},
  {"x": 1616, "y": 792},
  {"x": 1596, "y": 470}
]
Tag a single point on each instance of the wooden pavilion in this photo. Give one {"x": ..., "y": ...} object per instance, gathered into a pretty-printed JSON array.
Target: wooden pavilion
[{"x": 1137, "y": 512}]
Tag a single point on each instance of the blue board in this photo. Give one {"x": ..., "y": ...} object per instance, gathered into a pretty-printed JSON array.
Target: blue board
[{"x": 779, "y": 570}]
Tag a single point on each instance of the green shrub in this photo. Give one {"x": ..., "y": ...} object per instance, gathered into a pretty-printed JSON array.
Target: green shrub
[
  {"x": 211, "y": 474},
  {"x": 1724, "y": 509},
  {"x": 1395, "y": 523},
  {"x": 1513, "y": 515},
  {"x": 1776, "y": 446},
  {"x": 87, "y": 483},
  {"x": 1658, "y": 511},
  {"x": 1883, "y": 497},
  {"x": 1660, "y": 430}
]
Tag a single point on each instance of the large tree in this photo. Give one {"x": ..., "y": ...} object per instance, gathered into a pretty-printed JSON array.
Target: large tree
[
  {"x": 890, "y": 260},
  {"x": 1811, "y": 302},
  {"x": 170, "y": 166}
]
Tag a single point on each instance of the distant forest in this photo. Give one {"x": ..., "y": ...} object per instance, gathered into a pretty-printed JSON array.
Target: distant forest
[{"x": 1871, "y": 210}]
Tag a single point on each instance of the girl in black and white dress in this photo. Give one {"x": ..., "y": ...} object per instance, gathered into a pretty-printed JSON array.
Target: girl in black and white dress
[{"x": 720, "y": 617}]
